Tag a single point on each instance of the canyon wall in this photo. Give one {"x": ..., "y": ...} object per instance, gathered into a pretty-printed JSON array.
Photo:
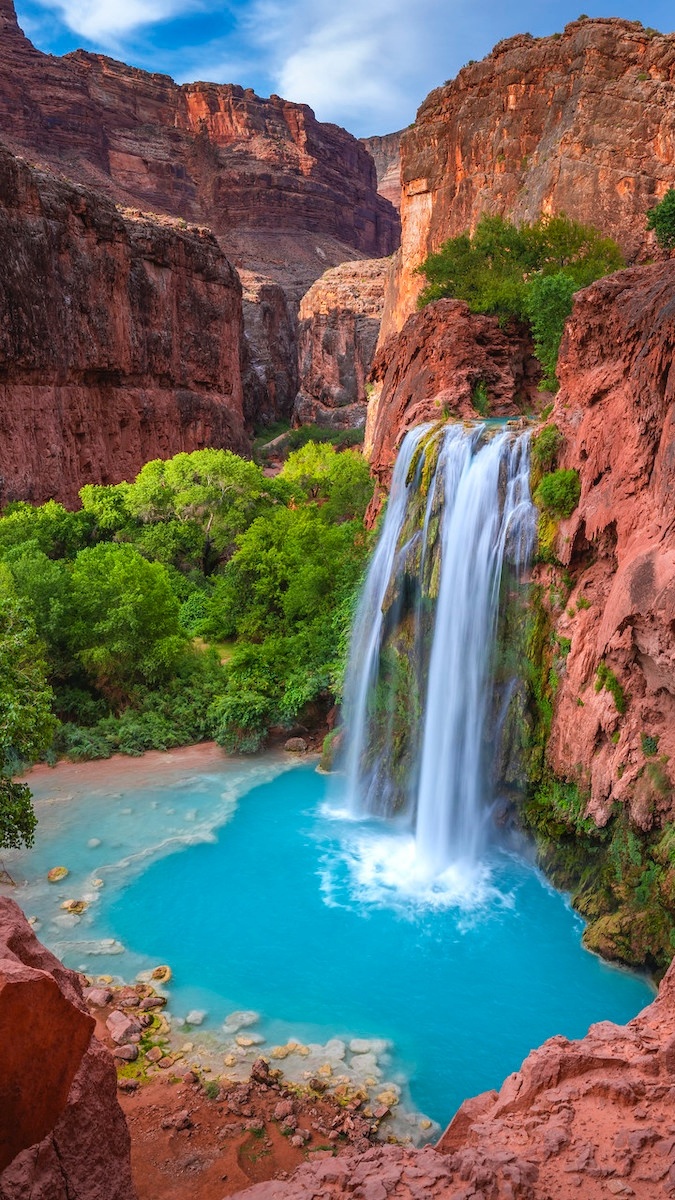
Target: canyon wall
[
  {"x": 446, "y": 362},
  {"x": 386, "y": 152},
  {"x": 616, "y": 412},
  {"x": 287, "y": 196},
  {"x": 339, "y": 325},
  {"x": 590, "y": 1118},
  {"x": 581, "y": 122},
  {"x": 121, "y": 340},
  {"x": 210, "y": 153},
  {"x": 62, "y": 1131}
]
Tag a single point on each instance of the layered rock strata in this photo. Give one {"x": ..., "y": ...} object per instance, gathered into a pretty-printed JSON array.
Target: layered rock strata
[
  {"x": 386, "y": 152},
  {"x": 121, "y": 339},
  {"x": 339, "y": 324},
  {"x": 62, "y": 1132},
  {"x": 210, "y": 153},
  {"x": 446, "y": 362},
  {"x": 582, "y": 122},
  {"x": 616, "y": 413},
  {"x": 592, "y": 1118}
]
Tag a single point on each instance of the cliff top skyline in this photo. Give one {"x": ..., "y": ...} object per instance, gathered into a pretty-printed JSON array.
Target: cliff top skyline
[{"x": 364, "y": 66}]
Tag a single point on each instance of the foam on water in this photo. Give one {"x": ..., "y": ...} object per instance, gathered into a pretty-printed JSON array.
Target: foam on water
[{"x": 379, "y": 867}]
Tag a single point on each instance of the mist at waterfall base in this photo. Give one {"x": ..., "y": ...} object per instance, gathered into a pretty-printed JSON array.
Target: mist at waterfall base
[{"x": 376, "y": 905}]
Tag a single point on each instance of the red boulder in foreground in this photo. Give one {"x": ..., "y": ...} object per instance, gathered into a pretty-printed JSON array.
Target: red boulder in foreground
[{"x": 62, "y": 1132}]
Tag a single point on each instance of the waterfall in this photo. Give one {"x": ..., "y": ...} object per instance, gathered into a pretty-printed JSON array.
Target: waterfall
[{"x": 419, "y": 697}]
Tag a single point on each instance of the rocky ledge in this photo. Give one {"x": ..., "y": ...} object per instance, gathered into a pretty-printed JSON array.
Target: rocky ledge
[
  {"x": 62, "y": 1131},
  {"x": 593, "y": 1118}
]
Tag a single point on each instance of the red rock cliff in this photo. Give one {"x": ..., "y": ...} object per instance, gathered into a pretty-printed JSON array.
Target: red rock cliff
[
  {"x": 62, "y": 1131},
  {"x": 581, "y": 122},
  {"x": 591, "y": 1118},
  {"x": 339, "y": 323},
  {"x": 211, "y": 153},
  {"x": 120, "y": 340},
  {"x": 386, "y": 152},
  {"x": 435, "y": 368},
  {"x": 616, "y": 411}
]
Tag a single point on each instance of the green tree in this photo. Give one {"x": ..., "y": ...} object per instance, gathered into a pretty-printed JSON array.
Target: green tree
[
  {"x": 126, "y": 628},
  {"x": 661, "y": 219},
  {"x": 526, "y": 273},
  {"x": 26, "y": 721},
  {"x": 549, "y": 304}
]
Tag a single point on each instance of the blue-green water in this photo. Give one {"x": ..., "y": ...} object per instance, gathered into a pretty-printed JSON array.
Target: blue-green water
[{"x": 322, "y": 925}]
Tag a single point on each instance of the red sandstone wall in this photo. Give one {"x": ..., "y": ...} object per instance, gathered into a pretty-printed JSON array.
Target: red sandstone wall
[{"x": 120, "y": 340}]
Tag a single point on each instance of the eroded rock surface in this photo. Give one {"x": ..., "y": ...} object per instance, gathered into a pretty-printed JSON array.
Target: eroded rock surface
[
  {"x": 446, "y": 362},
  {"x": 616, "y": 411},
  {"x": 121, "y": 339},
  {"x": 582, "y": 122},
  {"x": 62, "y": 1132},
  {"x": 386, "y": 152},
  {"x": 339, "y": 324},
  {"x": 211, "y": 153},
  {"x": 592, "y": 1118}
]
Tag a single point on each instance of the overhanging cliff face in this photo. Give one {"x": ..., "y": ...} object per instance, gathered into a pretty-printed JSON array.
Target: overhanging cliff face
[
  {"x": 582, "y": 122},
  {"x": 121, "y": 340}
]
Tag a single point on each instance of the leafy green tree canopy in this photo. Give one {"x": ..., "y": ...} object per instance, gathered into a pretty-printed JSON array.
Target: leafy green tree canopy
[
  {"x": 528, "y": 273},
  {"x": 125, "y": 627},
  {"x": 661, "y": 219},
  {"x": 26, "y": 721}
]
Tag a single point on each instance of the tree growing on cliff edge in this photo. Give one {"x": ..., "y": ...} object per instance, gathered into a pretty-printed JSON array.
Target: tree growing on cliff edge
[
  {"x": 527, "y": 273},
  {"x": 661, "y": 219}
]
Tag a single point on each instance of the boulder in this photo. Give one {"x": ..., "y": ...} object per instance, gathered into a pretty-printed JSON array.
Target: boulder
[{"x": 62, "y": 1132}]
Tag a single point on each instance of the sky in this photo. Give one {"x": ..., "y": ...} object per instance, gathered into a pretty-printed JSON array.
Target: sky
[{"x": 364, "y": 64}]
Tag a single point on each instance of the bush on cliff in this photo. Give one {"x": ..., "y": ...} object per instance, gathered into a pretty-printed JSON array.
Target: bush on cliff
[
  {"x": 558, "y": 493},
  {"x": 661, "y": 219},
  {"x": 526, "y": 273}
]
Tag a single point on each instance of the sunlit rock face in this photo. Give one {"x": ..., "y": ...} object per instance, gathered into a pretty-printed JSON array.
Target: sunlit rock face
[
  {"x": 581, "y": 122},
  {"x": 386, "y": 152},
  {"x": 211, "y": 153},
  {"x": 62, "y": 1132},
  {"x": 121, "y": 339},
  {"x": 616, "y": 411}
]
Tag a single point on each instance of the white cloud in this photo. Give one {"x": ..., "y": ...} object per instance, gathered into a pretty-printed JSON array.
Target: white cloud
[
  {"x": 361, "y": 61},
  {"x": 107, "y": 22}
]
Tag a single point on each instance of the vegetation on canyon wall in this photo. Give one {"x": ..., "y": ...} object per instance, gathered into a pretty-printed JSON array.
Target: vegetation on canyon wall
[
  {"x": 622, "y": 878},
  {"x": 527, "y": 273},
  {"x": 661, "y": 219},
  {"x": 202, "y": 600}
]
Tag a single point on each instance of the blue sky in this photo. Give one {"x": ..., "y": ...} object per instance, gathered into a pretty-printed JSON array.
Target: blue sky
[{"x": 365, "y": 64}]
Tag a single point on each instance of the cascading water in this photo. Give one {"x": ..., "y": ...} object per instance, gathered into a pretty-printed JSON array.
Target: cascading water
[{"x": 420, "y": 685}]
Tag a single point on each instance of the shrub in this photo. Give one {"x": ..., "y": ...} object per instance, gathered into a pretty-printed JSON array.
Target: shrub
[
  {"x": 649, "y": 744},
  {"x": 480, "y": 398},
  {"x": 605, "y": 678},
  {"x": 661, "y": 219},
  {"x": 558, "y": 493},
  {"x": 527, "y": 273},
  {"x": 545, "y": 446}
]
